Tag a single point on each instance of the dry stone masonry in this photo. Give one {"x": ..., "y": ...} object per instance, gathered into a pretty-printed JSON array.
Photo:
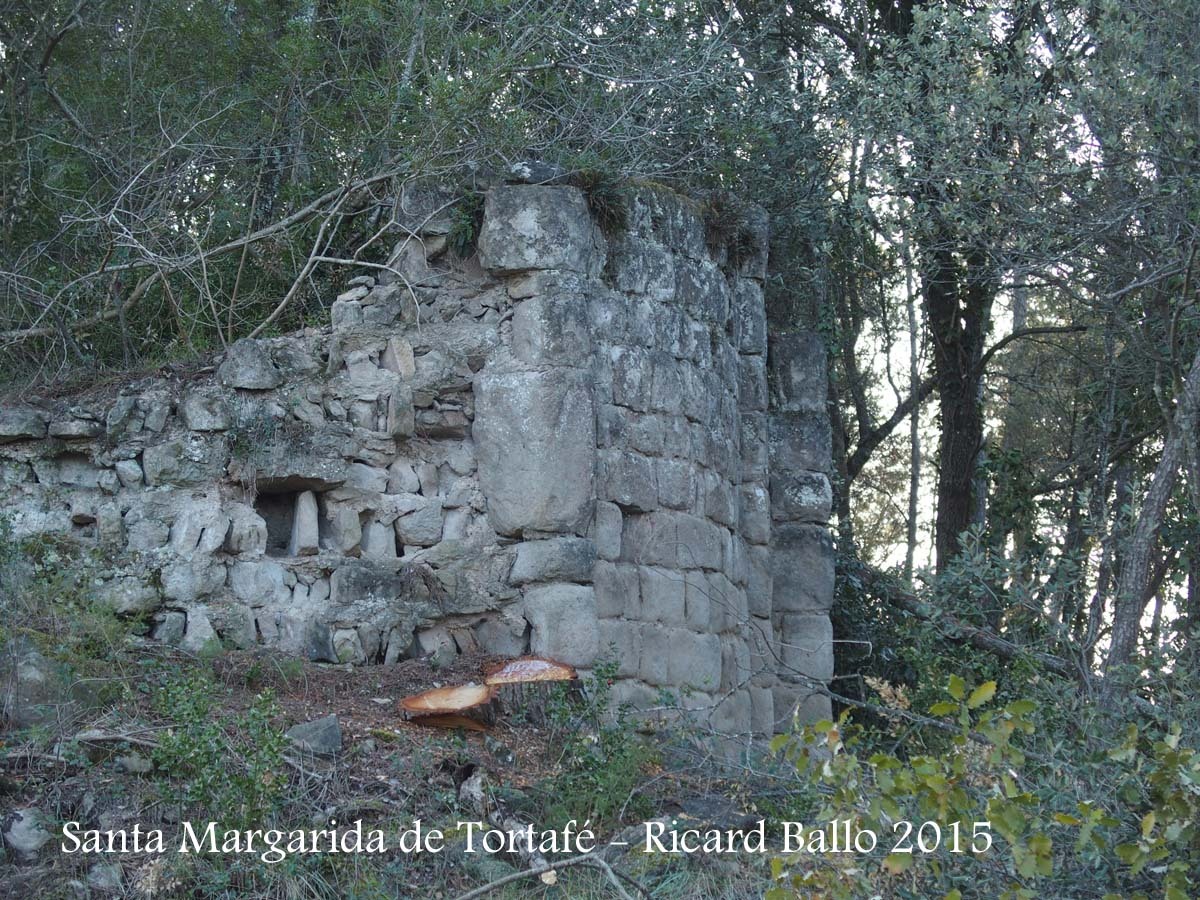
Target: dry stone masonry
[{"x": 573, "y": 443}]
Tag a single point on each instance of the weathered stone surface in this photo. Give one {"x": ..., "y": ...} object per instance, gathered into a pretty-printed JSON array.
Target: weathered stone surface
[
  {"x": 695, "y": 660},
  {"x": 247, "y": 531},
  {"x": 700, "y": 543},
  {"x": 188, "y": 460},
  {"x": 617, "y": 590},
  {"x": 422, "y": 526},
  {"x": 261, "y": 582},
  {"x": 751, "y": 317},
  {"x": 169, "y": 627},
  {"x": 662, "y": 593},
  {"x": 21, "y": 423},
  {"x": 130, "y": 595},
  {"x": 758, "y": 581},
  {"x": 798, "y": 379},
  {"x": 657, "y": 643},
  {"x": 199, "y": 636},
  {"x": 676, "y": 483},
  {"x": 305, "y": 540},
  {"x": 73, "y": 428},
  {"x": 129, "y": 472},
  {"x": 552, "y": 330},
  {"x": 621, "y": 643},
  {"x": 402, "y": 478},
  {"x": 536, "y": 437},
  {"x": 802, "y": 569},
  {"x": 35, "y": 687},
  {"x": 606, "y": 530},
  {"x": 599, "y": 443},
  {"x": 322, "y": 737},
  {"x": 563, "y": 617},
  {"x": 188, "y": 580},
  {"x": 248, "y": 366},
  {"x": 25, "y": 831},
  {"x": 539, "y": 227},
  {"x": 558, "y": 559},
  {"x": 807, "y": 646},
  {"x": 799, "y": 441},
  {"x": 378, "y": 541},
  {"x": 204, "y": 411},
  {"x": 651, "y": 539},
  {"x": 627, "y": 479},
  {"x": 200, "y": 528},
  {"x": 754, "y": 514},
  {"x": 800, "y": 497}
]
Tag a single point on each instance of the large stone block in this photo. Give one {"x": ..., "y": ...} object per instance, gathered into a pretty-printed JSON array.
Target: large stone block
[
  {"x": 621, "y": 642},
  {"x": 632, "y": 378},
  {"x": 676, "y": 480},
  {"x": 618, "y": 591},
  {"x": 535, "y": 435},
  {"x": 752, "y": 383},
  {"x": 795, "y": 705},
  {"x": 606, "y": 530},
  {"x": 797, "y": 372},
  {"x": 200, "y": 528},
  {"x": 695, "y": 660},
  {"x": 205, "y": 410},
  {"x": 750, "y": 310},
  {"x": 700, "y": 543},
  {"x": 259, "y": 583},
  {"x": 563, "y": 617},
  {"x": 539, "y": 227},
  {"x": 557, "y": 559},
  {"x": 22, "y": 423},
  {"x": 423, "y": 526},
  {"x": 189, "y": 460},
  {"x": 799, "y": 441},
  {"x": 762, "y": 710},
  {"x": 697, "y": 605},
  {"x": 186, "y": 580},
  {"x": 806, "y": 643},
  {"x": 662, "y": 592},
  {"x": 798, "y": 496},
  {"x": 758, "y": 580},
  {"x": 627, "y": 479},
  {"x": 754, "y": 517},
  {"x": 248, "y": 366},
  {"x": 552, "y": 331},
  {"x": 305, "y": 537},
  {"x": 802, "y": 569},
  {"x": 657, "y": 644},
  {"x": 651, "y": 539}
]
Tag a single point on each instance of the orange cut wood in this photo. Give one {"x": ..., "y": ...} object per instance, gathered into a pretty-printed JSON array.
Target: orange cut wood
[
  {"x": 529, "y": 669},
  {"x": 446, "y": 700}
]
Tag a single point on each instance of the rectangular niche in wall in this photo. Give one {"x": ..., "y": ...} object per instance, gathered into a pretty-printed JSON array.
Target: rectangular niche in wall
[
  {"x": 291, "y": 518},
  {"x": 279, "y": 512}
]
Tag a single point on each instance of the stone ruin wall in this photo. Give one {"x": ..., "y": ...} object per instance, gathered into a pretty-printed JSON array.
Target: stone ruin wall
[{"x": 567, "y": 444}]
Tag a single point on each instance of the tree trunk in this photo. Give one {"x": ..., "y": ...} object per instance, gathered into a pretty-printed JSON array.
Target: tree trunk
[
  {"x": 958, "y": 306},
  {"x": 1137, "y": 568},
  {"x": 914, "y": 422}
]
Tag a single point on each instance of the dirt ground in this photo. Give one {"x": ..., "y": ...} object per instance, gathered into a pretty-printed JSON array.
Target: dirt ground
[{"x": 391, "y": 771}]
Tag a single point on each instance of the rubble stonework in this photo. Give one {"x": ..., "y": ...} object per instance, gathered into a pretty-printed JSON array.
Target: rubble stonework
[{"x": 573, "y": 443}]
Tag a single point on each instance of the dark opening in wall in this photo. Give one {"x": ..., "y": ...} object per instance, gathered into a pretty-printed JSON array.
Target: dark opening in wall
[{"x": 278, "y": 511}]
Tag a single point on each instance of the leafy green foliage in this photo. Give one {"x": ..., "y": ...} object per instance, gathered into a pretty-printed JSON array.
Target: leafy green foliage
[
  {"x": 465, "y": 223},
  {"x": 603, "y": 761},
  {"x": 228, "y": 766},
  {"x": 606, "y": 197}
]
